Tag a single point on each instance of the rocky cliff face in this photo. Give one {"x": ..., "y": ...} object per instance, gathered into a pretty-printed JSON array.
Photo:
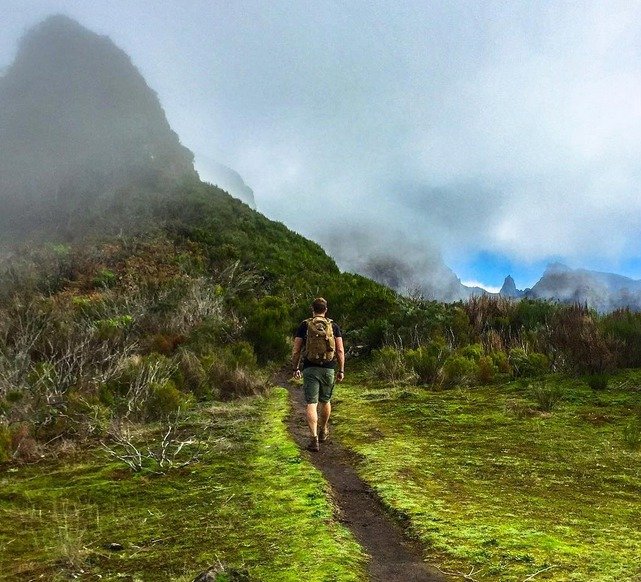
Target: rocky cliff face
[{"x": 77, "y": 123}]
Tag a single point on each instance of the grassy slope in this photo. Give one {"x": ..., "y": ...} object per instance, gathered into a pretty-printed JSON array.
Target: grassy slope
[
  {"x": 481, "y": 487},
  {"x": 251, "y": 503}
]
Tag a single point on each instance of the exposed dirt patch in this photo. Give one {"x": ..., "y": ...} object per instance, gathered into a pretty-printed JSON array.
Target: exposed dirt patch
[{"x": 393, "y": 557}]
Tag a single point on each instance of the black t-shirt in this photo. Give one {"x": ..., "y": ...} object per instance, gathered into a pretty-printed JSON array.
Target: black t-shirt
[{"x": 301, "y": 332}]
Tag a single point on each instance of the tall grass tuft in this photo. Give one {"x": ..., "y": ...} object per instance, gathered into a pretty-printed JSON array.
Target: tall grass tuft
[
  {"x": 389, "y": 364},
  {"x": 547, "y": 396},
  {"x": 632, "y": 434}
]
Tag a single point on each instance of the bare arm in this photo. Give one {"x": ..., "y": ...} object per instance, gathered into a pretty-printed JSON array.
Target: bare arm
[
  {"x": 340, "y": 356},
  {"x": 298, "y": 346}
]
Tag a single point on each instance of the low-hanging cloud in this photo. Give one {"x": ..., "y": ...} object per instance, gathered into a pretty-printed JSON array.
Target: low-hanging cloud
[
  {"x": 511, "y": 128},
  {"x": 470, "y": 126}
]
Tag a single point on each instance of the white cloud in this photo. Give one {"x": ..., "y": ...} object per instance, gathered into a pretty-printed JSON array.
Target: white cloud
[
  {"x": 474, "y": 283},
  {"x": 513, "y": 128}
]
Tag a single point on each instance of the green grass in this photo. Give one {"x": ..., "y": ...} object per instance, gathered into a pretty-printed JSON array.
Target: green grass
[
  {"x": 252, "y": 503},
  {"x": 508, "y": 494}
]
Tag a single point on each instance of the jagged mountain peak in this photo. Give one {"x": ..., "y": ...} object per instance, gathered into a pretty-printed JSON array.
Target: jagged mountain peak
[
  {"x": 509, "y": 286},
  {"x": 78, "y": 123}
]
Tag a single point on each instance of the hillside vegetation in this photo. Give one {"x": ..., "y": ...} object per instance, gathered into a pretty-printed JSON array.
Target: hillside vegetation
[{"x": 191, "y": 302}]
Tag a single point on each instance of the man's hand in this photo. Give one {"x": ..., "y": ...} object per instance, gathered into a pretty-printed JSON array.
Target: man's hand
[
  {"x": 297, "y": 375},
  {"x": 340, "y": 377}
]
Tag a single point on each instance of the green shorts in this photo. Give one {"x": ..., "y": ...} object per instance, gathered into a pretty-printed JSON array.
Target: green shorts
[{"x": 318, "y": 384}]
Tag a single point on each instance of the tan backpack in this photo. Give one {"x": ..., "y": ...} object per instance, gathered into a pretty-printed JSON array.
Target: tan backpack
[{"x": 320, "y": 346}]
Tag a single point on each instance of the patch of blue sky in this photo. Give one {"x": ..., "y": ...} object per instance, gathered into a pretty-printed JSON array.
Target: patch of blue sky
[{"x": 491, "y": 269}]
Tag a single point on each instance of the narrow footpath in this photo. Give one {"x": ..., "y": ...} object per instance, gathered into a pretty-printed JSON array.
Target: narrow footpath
[{"x": 393, "y": 557}]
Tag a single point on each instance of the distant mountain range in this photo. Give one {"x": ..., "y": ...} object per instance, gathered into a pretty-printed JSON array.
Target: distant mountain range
[
  {"x": 604, "y": 292},
  {"x": 601, "y": 291}
]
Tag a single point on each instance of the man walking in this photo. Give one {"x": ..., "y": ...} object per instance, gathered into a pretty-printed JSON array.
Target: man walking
[{"x": 321, "y": 343}]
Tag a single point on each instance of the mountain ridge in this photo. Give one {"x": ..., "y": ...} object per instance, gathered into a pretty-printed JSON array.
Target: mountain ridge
[{"x": 599, "y": 290}]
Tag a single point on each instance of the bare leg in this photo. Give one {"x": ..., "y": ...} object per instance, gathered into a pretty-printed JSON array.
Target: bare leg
[
  {"x": 325, "y": 411},
  {"x": 312, "y": 419}
]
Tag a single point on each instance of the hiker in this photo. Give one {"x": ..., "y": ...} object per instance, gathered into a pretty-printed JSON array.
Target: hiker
[{"x": 321, "y": 342}]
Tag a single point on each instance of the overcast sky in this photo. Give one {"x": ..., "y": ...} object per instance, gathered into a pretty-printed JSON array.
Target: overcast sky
[{"x": 501, "y": 134}]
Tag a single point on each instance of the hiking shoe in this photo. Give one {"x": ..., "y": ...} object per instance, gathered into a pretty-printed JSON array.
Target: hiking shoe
[
  {"x": 313, "y": 445},
  {"x": 323, "y": 434}
]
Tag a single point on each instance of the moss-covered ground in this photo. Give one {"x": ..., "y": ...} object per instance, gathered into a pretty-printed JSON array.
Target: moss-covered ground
[
  {"x": 251, "y": 503},
  {"x": 491, "y": 485}
]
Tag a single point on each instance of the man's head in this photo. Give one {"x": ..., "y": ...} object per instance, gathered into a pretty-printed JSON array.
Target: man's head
[{"x": 319, "y": 306}]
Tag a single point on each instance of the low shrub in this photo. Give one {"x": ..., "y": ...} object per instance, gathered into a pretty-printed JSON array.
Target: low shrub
[
  {"x": 424, "y": 364},
  {"x": 113, "y": 327},
  {"x": 472, "y": 352},
  {"x": 240, "y": 382},
  {"x": 5, "y": 443},
  {"x": 574, "y": 332},
  {"x": 192, "y": 374},
  {"x": 374, "y": 334},
  {"x": 24, "y": 446},
  {"x": 228, "y": 380},
  {"x": 518, "y": 408},
  {"x": 164, "y": 399},
  {"x": 486, "y": 370},
  {"x": 388, "y": 364},
  {"x": 164, "y": 343},
  {"x": 458, "y": 370},
  {"x": 501, "y": 361},
  {"x": 528, "y": 365},
  {"x": 267, "y": 329},
  {"x": 597, "y": 381},
  {"x": 547, "y": 396},
  {"x": 241, "y": 355},
  {"x": 105, "y": 278},
  {"x": 622, "y": 329}
]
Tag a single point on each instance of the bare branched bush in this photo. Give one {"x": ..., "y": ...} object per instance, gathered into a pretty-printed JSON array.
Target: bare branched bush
[
  {"x": 21, "y": 330},
  {"x": 146, "y": 373},
  {"x": 575, "y": 333},
  {"x": 172, "y": 451},
  {"x": 201, "y": 301}
]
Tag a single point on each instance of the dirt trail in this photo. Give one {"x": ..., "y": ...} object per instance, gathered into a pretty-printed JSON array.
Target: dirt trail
[{"x": 394, "y": 558}]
